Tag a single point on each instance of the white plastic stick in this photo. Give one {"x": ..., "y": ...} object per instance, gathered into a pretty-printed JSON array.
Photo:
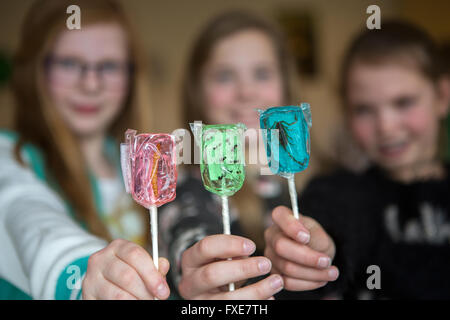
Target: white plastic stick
[
  {"x": 293, "y": 194},
  {"x": 154, "y": 232},
  {"x": 226, "y": 227}
]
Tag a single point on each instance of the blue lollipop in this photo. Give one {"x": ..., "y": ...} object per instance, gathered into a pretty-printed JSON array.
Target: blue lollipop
[{"x": 287, "y": 141}]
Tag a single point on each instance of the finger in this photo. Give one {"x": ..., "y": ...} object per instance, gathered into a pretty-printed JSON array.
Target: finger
[
  {"x": 96, "y": 265},
  {"x": 293, "y": 270},
  {"x": 239, "y": 284},
  {"x": 222, "y": 273},
  {"x": 320, "y": 240},
  {"x": 275, "y": 271},
  {"x": 86, "y": 293},
  {"x": 217, "y": 246},
  {"x": 138, "y": 258},
  {"x": 261, "y": 290},
  {"x": 300, "y": 285},
  {"x": 292, "y": 227},
  {"x": 107, "y": 290},
  {"x": 292, "y": 284},
  {"x": 125, "y": 277},
  {"x": 87, "y": 296},
  {"x": 302, "y": 254},
  {"x": 164, "y": 266}
]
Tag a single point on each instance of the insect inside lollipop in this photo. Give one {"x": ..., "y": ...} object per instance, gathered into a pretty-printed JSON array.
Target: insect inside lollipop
[
  {"x": 152, "y": 173},
  {"x": 288, "y": 150},
  {"x": 222, "y": 157}
]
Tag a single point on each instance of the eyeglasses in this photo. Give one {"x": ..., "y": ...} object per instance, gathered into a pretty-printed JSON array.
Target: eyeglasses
[{"x": 70, "y": 70}]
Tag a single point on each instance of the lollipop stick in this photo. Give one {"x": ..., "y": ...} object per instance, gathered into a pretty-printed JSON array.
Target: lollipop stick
[
  {"x": 226, "y": 226},
  {"x": 293, "y": 194},
  {"x": 154, "y": 232}
]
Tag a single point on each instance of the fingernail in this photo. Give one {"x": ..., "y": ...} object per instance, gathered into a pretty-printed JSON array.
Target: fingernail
[
  {"x": 324, "y": 262},
  {"x": 303, "y": 237},
  {"x": 161, "y": 290},
  {"x": 249, "y": 247},
  {"x": 264, "y": 265},
  {"x": 276, "y": 282},
  {"x": 333, "y": 274}
]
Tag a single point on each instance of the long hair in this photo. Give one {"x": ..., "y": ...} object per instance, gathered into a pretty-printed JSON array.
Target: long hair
[
  {"x": 217, "y": 29},
  {"x": 220, "y": 27},
  {"x": 38, "y": 122}
]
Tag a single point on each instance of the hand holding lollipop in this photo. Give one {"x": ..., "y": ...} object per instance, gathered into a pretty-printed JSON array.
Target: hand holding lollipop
[
  {"x": 149, "y": 172},
  {"x": 221, "y": 162},
  {"x": 289, "y": 151}
]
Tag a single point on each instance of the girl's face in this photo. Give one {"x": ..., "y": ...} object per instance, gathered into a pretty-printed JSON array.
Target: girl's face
[
  {"x": 394, "y": 114},
  {"x": 88, "y": 77},
  {"x": 241, "y": 75}
]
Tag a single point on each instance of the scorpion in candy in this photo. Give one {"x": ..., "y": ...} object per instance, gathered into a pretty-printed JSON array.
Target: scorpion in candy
[{"x": 285, "y": 138}]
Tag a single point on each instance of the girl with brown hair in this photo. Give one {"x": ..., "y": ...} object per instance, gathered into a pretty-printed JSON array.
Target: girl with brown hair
[
  {"x": 387, "y": 228},
  {"x": 76, "y": 92},
  {"x": 239, "y": 62}
]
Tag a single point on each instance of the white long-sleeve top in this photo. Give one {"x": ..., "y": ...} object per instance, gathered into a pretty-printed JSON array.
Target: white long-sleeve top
[{"x": 43, "y": 251}]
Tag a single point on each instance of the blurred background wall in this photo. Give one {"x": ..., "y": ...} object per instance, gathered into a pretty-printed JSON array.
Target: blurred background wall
[{"x": 167, "y": 29}]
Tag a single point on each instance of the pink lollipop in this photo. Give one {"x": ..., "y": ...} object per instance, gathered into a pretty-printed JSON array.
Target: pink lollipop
[{"x": 149, "y": 172}]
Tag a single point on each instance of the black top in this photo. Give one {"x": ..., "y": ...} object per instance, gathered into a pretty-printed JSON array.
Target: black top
[{"x": 404, "y": 229}]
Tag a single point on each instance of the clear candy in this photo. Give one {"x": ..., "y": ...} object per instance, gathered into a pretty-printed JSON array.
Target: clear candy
[
  {"x": 149, "y": 167},
  {"x": 222, "y": 156},
  {"x": 290, "y": 151}
]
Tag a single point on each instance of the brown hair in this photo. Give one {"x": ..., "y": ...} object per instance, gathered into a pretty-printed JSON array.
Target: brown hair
[
  {"x": 36, "y": 120},
  {"x": 217, "y": 29},
  {"x": 397, "y": 41}
]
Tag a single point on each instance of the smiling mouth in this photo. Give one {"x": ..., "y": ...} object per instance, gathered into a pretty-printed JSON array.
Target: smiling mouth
[
  {"x": 86, "y": 109},
  {"x": 393, "y": 150},
  {"x": 249, "y": 117}
]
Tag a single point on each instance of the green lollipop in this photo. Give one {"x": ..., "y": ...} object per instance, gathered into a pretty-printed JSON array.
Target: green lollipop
[{"x": 221, "y": 162}]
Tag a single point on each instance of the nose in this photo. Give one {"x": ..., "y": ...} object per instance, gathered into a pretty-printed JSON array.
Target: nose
[
  {"x": 387, "y": 123},
  {"x": 91, "y": 81},
  {"x": 246, "y": 90}
]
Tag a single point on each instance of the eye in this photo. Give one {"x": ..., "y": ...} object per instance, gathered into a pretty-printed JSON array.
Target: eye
[
  {"x": 361, "y": 109},
  {"x": 263, "y": 74},
  {"x": 68, "y": 63},
  {"x": 405, "y": 102},
  {"x": 223, "y": 76},
  {"x": 110, "y": 66}
]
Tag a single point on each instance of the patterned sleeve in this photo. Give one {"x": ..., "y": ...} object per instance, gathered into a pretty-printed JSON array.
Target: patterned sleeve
[{"x": 43, "y": 251}]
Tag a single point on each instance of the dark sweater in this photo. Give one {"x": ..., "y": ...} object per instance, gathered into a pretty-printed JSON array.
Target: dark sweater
[{"x": 404, "y": 229}]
